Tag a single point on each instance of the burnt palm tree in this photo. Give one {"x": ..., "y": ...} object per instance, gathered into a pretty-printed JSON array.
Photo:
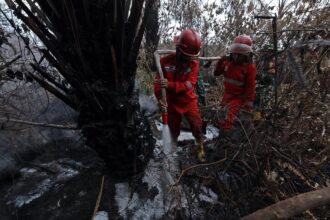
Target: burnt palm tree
[{"x": 94, "y": 46}]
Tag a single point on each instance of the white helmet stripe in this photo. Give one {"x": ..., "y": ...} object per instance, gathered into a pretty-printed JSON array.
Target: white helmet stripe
[{"x": 240, "y": 48}]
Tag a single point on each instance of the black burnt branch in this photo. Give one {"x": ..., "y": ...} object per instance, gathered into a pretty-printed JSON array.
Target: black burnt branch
[{"x": 94, "y": 46}]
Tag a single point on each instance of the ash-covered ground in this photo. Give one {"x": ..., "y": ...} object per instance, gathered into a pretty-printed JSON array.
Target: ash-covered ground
[{"x": 48, "y": 173}]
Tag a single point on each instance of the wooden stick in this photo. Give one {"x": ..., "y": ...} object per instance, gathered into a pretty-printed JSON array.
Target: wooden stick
[
  {"x": 293, "y": 206},
  {"x": 70, "y": 127},
  {"x": 165, "y": 51},
  {"x": 200, "y": 58},
  {"x": 97, "y": 205},
  {"x": 209, "y": 58},
  {"x": 160, "y": 71}
]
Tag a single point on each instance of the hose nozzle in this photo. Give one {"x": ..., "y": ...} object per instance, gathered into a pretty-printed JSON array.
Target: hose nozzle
[{"x": 165, "y": 118}]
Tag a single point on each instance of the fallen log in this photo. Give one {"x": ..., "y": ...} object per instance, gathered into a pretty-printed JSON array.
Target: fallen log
[{"x": 293, "y": 206}]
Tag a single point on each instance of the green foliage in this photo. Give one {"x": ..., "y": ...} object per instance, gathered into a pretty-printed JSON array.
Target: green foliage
[{"x": 145, "y": 80}]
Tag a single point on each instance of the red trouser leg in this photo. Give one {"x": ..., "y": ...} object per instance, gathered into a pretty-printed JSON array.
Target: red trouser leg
[
  {"x": 232, "y": 108},
  {"x": 195, "y": 121},
  {"x": 174, "y": 122}
]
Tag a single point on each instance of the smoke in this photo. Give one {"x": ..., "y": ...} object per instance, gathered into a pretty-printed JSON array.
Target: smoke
[
  {"x": 29, "y": 102},
  {"x": 148, "y": 104}
]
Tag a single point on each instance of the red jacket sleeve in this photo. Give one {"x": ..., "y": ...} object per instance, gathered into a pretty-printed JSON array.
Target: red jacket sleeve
[
  {"x": 220, "y": 67},
  {"x": 250, "y": 83},
  {"x": 189, "y": 84}
]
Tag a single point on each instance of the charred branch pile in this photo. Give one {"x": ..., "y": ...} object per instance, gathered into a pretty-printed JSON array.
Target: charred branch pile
[{"x": 94, "y": 46}]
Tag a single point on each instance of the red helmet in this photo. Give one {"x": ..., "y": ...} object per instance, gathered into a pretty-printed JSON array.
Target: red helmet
[
  {"x": 242, "y": 44},
  {"x": 188, "y": 42}
]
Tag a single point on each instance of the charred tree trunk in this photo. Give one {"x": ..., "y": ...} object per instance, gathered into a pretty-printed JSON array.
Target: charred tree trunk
[
  {"x": 152, "y": 35},
  {"x": 94, "y": 45}
]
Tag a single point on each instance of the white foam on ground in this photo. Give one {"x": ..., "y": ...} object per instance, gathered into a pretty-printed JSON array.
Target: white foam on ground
[
  {"x": 62, "y": 173},
  {"x": 43, "y": 187},
  {"x": 126, "y": 201},
  {"x": 208, "y": 195},
  {"x": 122, "y": 195},
  {"x": 161, "y": 174},
  {"x": 27, "y": 170},
  {"x": 101, "y": 215},
  {"x": 185, "y": 136},
  {"x": 211, "y": 132}
]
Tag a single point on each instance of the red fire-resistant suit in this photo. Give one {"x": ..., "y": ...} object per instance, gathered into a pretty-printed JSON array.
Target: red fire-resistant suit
[
  {"x": 239, "y": 82},
  {"x": 180, "y": 96}
]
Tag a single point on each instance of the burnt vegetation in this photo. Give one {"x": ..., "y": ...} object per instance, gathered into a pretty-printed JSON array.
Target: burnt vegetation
[
  {"x": 96, "y": 58},
  {"x": 93, "y": 50}
]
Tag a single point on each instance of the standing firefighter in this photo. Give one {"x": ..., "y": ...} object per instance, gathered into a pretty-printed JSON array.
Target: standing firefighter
[
  {"x": 265, "y": 80},
  {"x": 239, "y": 80},
  {"x": 181, "y": 72}
]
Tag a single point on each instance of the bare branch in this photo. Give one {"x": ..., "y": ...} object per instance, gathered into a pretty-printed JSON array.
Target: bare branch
[
  {"x": 70, "y": 127},
  {"x": 10, "y": 62}
]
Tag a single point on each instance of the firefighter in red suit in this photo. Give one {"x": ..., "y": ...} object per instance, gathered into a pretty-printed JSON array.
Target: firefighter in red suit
[
  {"x": 239, "y": 80},
  {"x": 181, "y": 72}
]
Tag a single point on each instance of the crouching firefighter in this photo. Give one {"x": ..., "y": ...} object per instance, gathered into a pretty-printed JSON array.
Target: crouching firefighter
[
  {"x": 239, "y": 80},
  {"x": 180, "y": 71}
]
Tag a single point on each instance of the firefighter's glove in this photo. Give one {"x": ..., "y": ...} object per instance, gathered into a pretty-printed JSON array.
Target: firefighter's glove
[
  {"x": 162, "y": 82},
  {"x": 221, "y": 66},
  {"x": 162, "y": 106}
]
